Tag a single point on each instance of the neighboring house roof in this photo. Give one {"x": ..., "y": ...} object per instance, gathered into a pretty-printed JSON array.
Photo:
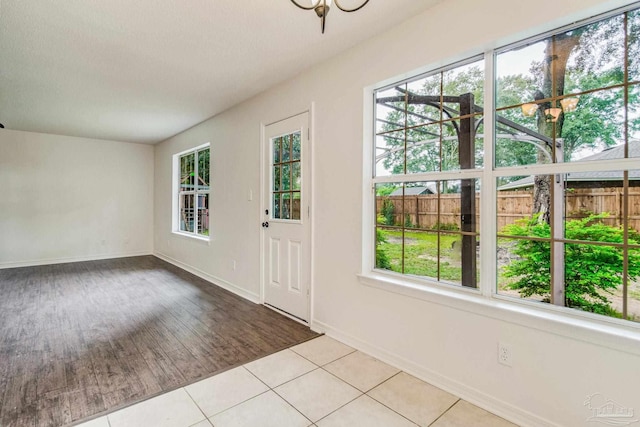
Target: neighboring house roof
[
  {"x": 613, "y": 153},
  {"x": 415, "y": 191}
]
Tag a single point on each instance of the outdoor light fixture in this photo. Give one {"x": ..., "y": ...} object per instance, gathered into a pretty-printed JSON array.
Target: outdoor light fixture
[{"x": 322, "y": 8}]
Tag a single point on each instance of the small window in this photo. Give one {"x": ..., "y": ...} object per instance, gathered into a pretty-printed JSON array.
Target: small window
[
  {"x": 286, "y": 176},
  {"x": 192, "y": 175}
]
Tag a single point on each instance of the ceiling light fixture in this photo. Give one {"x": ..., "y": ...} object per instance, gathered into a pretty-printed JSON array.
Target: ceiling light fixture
[
  {"x": 529, "y": 109},
  {"x": 322, "y": 8},
  {"x": 568, "y": 105},
  {"x": 552, "y": 114}
]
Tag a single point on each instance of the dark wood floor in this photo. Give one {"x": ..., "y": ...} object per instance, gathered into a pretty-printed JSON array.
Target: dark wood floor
[{"x": 84, "y": 338}]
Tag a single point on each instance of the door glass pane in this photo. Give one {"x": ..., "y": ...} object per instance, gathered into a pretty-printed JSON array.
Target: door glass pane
[
  {"x": 187, "y": 172},
  {"x": 286, "y": 148},
  {"x": 276, "y": 178},
  {"x": 286, "y": 206},
  {"x": 276, "y": 149},
  {"x": 286, "y": 177},
  {"x": 295, "y": 175},
  {"x": 295, "y": 205},
  {"x": 186, "y": 212},
  {"x": 286, "y": 173},
  {"x": 276, "y": 206},
  {"x": 296, "y": 147}
]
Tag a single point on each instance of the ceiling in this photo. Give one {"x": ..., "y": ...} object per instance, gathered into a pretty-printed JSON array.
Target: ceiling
[{"x": 145, "y": 70}]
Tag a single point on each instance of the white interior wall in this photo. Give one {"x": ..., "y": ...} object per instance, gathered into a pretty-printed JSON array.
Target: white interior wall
[
  {"x": 553, "y": 373},
  {"x": 70, "y": 199}
]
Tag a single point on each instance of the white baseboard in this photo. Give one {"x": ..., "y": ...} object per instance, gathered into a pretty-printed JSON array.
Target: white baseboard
[
  {"x": 210, "y": 278},
  {"x": 470, "y": 394},
  {"x": 32, "y": 263}
]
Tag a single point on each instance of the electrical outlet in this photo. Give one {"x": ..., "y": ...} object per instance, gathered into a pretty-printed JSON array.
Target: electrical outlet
[
  {"x": 233, "y": 264},
  {"x": 505, "y": 355}
]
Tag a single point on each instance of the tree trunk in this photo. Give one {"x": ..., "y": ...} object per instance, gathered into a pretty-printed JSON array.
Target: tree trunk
[{"x": 554, "y": 69}]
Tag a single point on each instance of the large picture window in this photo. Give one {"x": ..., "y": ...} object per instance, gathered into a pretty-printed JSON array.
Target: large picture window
[
  {"x": 560, "y": 171},
  {"x": 568, "y": 103},
  {"x": 193, "y": 176}
]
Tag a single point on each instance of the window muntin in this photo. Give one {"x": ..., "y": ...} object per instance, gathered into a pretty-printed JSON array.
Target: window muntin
[
  {"x": 567, "y": 93},
  {"x": 193, "y": 192},
  {"x": 431, "y": 123},
  {"x": 594, "y": 246},
  {"x": 581, "y": 152},
  {"x": 426, "y": 126}
]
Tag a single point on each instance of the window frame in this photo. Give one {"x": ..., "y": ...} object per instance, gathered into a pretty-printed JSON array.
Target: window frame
[
  {"x": 485, "y": 299},
  {"x": 177, "y": 192},
  {"x": 475, "y": 173}
]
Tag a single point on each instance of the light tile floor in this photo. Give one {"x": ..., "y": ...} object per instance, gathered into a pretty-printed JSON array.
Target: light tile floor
[{"x": 321, "y": 383}]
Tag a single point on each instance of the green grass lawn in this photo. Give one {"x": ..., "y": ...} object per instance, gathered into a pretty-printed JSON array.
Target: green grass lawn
[{"x": 421, "y": 254}]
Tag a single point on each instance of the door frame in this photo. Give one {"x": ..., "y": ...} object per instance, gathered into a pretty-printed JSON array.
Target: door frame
[{"x": 265, "y": 204}]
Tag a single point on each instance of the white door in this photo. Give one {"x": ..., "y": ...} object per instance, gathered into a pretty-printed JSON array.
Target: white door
[{"x": 286, "y": 222}]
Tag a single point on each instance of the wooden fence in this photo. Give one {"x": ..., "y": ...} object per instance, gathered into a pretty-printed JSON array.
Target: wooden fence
[{"x": 422, "y": 211}]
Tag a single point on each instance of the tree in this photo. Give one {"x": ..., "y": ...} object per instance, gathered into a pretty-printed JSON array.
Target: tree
[
  {"x": 430, "y": 146},
  {"x": 592, "y": 271}
]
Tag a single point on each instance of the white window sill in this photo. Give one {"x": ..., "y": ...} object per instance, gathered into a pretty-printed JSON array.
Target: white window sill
[
  {"x": 612, "y": 333},
  {"x": 202, "y": 239}
]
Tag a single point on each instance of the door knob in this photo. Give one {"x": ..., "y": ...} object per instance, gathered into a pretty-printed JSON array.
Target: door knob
[{"x": 265, "y": 224}]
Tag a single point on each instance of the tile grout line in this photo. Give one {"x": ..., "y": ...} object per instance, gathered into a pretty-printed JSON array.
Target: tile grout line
[
  {"x": 340, "y": 379},
  {"x": 206, "y": 418},
  {"x": 195, "y": 403},
  {"x": 316, "y": 367},
  {"x": 322, "y": 367},
  {"x": 447, "y": 410},
  {"x": 342, "y": 406},
  {"x": 389, "y": 408},
  {"x": 303, "y": 356},
  {"x": 278, "y": 394}
]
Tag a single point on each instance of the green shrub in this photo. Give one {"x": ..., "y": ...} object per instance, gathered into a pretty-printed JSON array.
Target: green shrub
[
  {"x": 388, "y": 211},
  {"x": 407, "y": 221},
  {"x": 382, "y": 260},
  {"x": 591, "y": 271}
]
